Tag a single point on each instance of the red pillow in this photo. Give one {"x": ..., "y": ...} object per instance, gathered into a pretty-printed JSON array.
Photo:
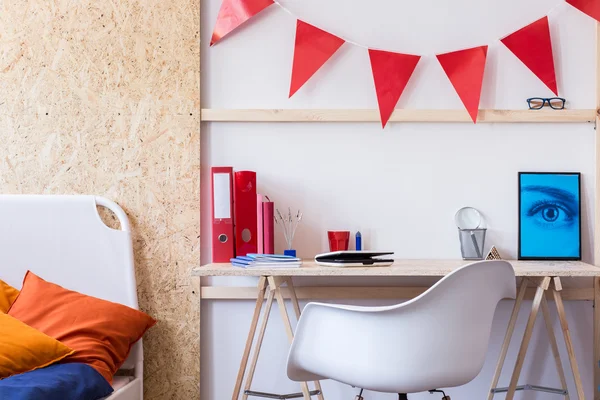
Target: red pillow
[{"x": 100, "y": 332}]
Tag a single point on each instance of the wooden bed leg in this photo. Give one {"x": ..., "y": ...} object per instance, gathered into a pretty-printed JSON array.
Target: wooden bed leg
[
  {"x": 508, "y": 336},
  {"x": 296, "y": 305},
  {"x": 537, "y": 299},
  {"x": 567, "y": 336},
  {"x": 553, "y": 344},
  {"x": 276, "y": 283},
  {"x": 262, "y": 287},
  {"x": 258, "y": 345},
  {"x": 596, "y": 337}
]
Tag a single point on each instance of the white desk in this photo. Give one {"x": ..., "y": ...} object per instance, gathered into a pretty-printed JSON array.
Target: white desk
[{"x": 543, "y": 276}]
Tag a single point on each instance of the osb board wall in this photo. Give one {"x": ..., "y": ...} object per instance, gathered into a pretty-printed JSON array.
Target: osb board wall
[{"x": 102, "y": 97}]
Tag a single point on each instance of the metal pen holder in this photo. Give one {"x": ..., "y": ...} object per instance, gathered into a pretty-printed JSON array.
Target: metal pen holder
[{"x": 472, "y": 243}]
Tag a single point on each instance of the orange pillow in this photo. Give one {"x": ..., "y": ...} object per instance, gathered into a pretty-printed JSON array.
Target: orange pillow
[
  {"x": 100, "y": 332},
  {"x": 8, "y": 294},
  {"x": 24, "y": 349}
]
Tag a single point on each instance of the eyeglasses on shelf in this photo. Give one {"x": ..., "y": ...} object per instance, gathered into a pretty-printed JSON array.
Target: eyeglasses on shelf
[{"x": 537, "y": 103}]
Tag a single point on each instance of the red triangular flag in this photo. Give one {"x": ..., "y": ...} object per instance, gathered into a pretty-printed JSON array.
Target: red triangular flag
[
  {"x": 313, "y": 48},
  {"x": 234, "y": 13},
  {"x": 465, "y": 71},
  {"x": 590, "y": 7},
  {"x": 391, "y": 72},
  {"x": 533, "y": 46}
]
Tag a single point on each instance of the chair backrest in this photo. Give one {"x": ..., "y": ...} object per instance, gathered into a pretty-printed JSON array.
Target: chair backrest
[
  {"x": 451, "y": 322},
  {"x": 442, "y": 336},
  {"x": 439, "y": 339}
]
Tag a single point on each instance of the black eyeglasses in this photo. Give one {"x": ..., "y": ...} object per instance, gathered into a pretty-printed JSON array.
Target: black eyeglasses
[{"x": 537, "y": 103}]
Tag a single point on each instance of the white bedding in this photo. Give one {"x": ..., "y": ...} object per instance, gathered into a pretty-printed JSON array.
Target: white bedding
[{"x": 121, "y": 381}]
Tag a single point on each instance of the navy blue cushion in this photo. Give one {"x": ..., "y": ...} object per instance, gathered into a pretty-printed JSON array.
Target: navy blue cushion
[{"x": 57, "y": 382}]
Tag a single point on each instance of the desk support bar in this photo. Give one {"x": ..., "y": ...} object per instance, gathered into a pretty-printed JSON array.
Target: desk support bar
[
  {"x": 568, "y": 342},
  {"x": 362, "y": 293},
  {"x": 275, "y": 283},
  {"x": 262, "y": 287},
  {"x": 537, "y": 300},
  {"x": 258, "y": 345},
  {"x": 554, "y": 346},
  {"x": 296, "y": 305},
  {"x": 535, "y": 388},
  {"x": 271, "y": 286},
  {"x": 507, "y": 338}
]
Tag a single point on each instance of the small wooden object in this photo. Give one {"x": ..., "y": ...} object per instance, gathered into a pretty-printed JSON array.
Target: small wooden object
[{"x": 493, "y": 254}]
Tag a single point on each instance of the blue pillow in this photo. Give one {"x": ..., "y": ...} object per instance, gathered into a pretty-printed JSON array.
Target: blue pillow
[{"x": 73, "y": 381}]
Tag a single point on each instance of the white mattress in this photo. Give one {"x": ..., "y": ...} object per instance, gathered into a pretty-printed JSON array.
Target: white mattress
[{"x": 121, "y": 381}]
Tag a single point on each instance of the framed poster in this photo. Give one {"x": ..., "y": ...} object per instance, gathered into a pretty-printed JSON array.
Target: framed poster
[{"x": 549, "y": 216}]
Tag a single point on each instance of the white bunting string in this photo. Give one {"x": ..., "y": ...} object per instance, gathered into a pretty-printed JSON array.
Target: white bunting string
[
  {"x": 287, "y": 10},
  {"x": 341, "y": 37}
]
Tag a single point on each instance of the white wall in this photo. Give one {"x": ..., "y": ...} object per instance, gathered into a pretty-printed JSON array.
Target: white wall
[{"x": 400, "y": 186}]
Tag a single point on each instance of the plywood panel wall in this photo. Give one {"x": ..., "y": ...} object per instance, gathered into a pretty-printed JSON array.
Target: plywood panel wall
[{"x": 102, "y": 97}]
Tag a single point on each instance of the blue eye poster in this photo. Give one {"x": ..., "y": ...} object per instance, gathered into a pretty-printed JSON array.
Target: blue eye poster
[{"x": 549, "y": 216}]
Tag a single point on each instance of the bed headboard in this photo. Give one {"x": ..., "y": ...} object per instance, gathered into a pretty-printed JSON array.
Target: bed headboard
[{"x": 63, "y": 240}]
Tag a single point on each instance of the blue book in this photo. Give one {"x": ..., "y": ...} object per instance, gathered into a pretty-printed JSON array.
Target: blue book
[
  {"x": 240, "y": 261},
  {"x": 275, "y": 258},
  {"x": 265, "y": 260}
]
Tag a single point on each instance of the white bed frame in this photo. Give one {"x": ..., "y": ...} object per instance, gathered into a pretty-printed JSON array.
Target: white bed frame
[{"x": 63, "y": 240}]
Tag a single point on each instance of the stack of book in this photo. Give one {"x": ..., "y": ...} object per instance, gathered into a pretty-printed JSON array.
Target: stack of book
[{"x": 266, "y": 261}]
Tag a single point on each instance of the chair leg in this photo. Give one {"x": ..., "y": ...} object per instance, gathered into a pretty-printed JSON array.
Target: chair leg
[{"x": 440, "y": 391}]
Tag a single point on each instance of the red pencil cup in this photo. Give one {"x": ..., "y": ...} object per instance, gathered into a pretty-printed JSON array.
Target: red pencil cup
[{"x": 338, "y": 240}]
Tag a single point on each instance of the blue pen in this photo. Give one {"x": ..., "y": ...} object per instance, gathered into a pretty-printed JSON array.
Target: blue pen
[{"x": 358, "y": 241}]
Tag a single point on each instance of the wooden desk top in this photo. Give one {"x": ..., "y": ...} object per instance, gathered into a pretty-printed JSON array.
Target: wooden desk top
[{"x": 403, "y": 268}]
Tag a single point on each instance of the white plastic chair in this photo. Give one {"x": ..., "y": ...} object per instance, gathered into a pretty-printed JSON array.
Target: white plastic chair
[{"x": 436, "y": 340}]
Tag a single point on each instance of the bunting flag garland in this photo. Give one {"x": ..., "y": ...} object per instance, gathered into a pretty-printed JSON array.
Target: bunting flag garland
[
  {"x": 533, "y": 46},
  {"x": 312, "y": 49},
  {"x": 234, "y": 13},
  {"x": 465, "y": 70},
  {"x": 391, "y": 73},
  {"x": 590, "y": 7}
]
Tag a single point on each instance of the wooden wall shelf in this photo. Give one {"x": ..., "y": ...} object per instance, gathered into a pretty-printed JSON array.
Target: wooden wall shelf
[
  {"x": 400, "y": 115},
  {"x": 313, "y": 293}
]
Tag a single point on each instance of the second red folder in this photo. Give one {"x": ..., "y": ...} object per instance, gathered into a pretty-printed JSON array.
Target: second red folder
[{"x": 245, "y": 213}]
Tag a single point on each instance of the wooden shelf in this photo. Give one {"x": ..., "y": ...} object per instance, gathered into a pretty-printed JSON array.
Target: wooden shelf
[
  {"x": 358, "y": 293},
  {"x": 399, "y": 115}
]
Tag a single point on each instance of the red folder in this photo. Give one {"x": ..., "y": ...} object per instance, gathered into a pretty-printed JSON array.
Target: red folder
[
  {"x": 244, "y": 205},
  {"x": 222, "y": 214},
  {"x": 259, "y": 224},
  {"x": 268, "y": 227}
]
